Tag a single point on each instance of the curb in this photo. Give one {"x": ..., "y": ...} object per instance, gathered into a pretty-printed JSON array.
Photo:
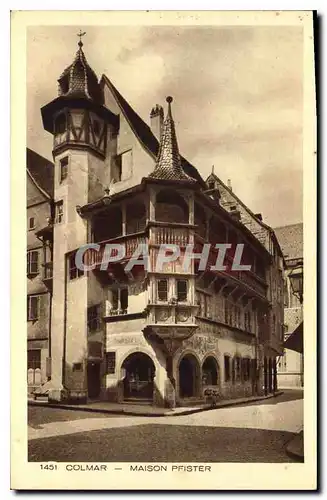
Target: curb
[{"x": 154, "y": 414}]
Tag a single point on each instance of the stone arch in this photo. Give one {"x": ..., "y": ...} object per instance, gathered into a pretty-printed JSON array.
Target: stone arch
[
  {"x": 210, "y": 370},
  {"x": 189, "y": 375},
  {"x": 171, "y": 206},
  {"x": 137, "y": 371}
]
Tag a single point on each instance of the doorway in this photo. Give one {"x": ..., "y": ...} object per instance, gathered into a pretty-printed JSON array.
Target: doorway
[
  {"x": 139, "y": 377},
  {"x": 188, "y": 380},
  {"x": 93, "y": 379}
]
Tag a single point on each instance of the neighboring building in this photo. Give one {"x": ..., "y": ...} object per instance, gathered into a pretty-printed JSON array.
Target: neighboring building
[
  {"x": 290, "y": 366},
  {"x": 163, "y": 336},
  {"x": 39, "y": 185}
]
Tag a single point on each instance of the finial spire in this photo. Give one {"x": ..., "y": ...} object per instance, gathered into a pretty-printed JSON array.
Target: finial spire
[
  {"x": 168, "y": 165},
  {"x": 80, "y": 34},
  {"x": 213, "y": 169}
]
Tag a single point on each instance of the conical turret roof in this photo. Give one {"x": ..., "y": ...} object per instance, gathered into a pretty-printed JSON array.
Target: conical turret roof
[{"x": 168, "y": 164}]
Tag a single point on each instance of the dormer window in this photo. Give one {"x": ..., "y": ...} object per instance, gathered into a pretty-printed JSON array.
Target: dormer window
[{"x": 211, "y": 185}]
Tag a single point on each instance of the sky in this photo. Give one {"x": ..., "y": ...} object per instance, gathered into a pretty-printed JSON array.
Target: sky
[{"x": 237, "y": 97}]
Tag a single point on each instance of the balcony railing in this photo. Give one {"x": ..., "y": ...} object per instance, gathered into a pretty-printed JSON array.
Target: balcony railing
[
  {"x": 170, "y": 235},
  {"x": 129, "y": 242}
]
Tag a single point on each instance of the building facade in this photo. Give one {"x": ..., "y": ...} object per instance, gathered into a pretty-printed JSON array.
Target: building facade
[
  {"x": 39, "y": 184},
  {"x": 164, "y": 334},
  {"x": 290, "y": 364}
]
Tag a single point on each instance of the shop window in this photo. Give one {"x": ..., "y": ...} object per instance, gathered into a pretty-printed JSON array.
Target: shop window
[
  {"x": 246, "y": 362},
  {"x": 227, "y": 368},
  {"x": 238, "y": 369}
]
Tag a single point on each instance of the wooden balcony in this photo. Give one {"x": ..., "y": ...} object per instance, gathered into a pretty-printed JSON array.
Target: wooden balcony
[
  {"x": 248, "y": 279},
  {"x": 167, "y": 233},
  {"x": 130, "y": 242}
]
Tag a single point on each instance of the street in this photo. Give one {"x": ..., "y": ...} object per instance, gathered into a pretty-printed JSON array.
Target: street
[{"x": 255, "y": 432}]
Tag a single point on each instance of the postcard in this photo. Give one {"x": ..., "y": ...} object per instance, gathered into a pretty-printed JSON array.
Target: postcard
[{"x": 164, "y": 202}]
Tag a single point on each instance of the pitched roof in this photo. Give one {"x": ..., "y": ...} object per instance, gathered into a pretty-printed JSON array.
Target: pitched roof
[
  {"x": 291, "y": 240},
  {"x": 144, "y": 132},
  {"x": 41, "y": 170},
  {"x": 168, "y": 165}
]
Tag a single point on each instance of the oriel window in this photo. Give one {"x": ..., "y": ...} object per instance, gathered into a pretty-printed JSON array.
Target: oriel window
[
  {"x": 162, "y": 290},
  {"x": 63, "y": 168},
  {"x": 181, "y": 290}
]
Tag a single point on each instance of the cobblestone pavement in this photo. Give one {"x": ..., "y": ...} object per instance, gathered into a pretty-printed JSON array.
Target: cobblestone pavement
[{"x": 257, "y": 433}]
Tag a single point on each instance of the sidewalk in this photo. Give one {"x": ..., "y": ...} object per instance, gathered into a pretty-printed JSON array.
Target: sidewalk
[
  {"x": 148, "y": 410},
  {"x": 295, "y": 448}
]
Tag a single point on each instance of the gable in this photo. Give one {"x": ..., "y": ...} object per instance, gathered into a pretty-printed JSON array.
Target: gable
[{"x": 33, "y": 193}]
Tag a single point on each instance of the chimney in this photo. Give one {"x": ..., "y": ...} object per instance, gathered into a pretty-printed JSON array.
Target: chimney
[
  {"x": 258, "y": 216},
  {"x": 229, "y": 184},
  {"x": 156, "y": 120}
]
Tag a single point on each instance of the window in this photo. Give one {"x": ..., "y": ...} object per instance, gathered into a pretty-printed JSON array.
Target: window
[
  {"x": 211, "y": 185},
  {"x": 119, "y": 300},
  {"x": 31, "y": 223},
  {"x": 59, "y": 211},
  {"x": 227, "y": 368},
  {"x": 119, "y": 164},
  {"x": 60, "y": 124},
  {"x": 32, "y": 262},
  {"x": 111, "y": 362},
  {"x": 229, "y": 313},
  {"x": 94, "y": 318},
  {"x": 181, "y": 290},
  {"x": 34, "y": 359},
  {"x": 32, "y": 307},
  {"x": 247, "y": 321},
  {"x": 63, "y": 168},
  {"x": 232, "y": 208},
  {"x": 246, "y": 362},
  {"x": 74, "y": 271},
  {"x": 286, "y": 298},
  {"x": 237, "y": 368},
  {"x": 77, "y": 367},
  {"x": 96, "y": 127},
  {"x": 162, "y": 290}
]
